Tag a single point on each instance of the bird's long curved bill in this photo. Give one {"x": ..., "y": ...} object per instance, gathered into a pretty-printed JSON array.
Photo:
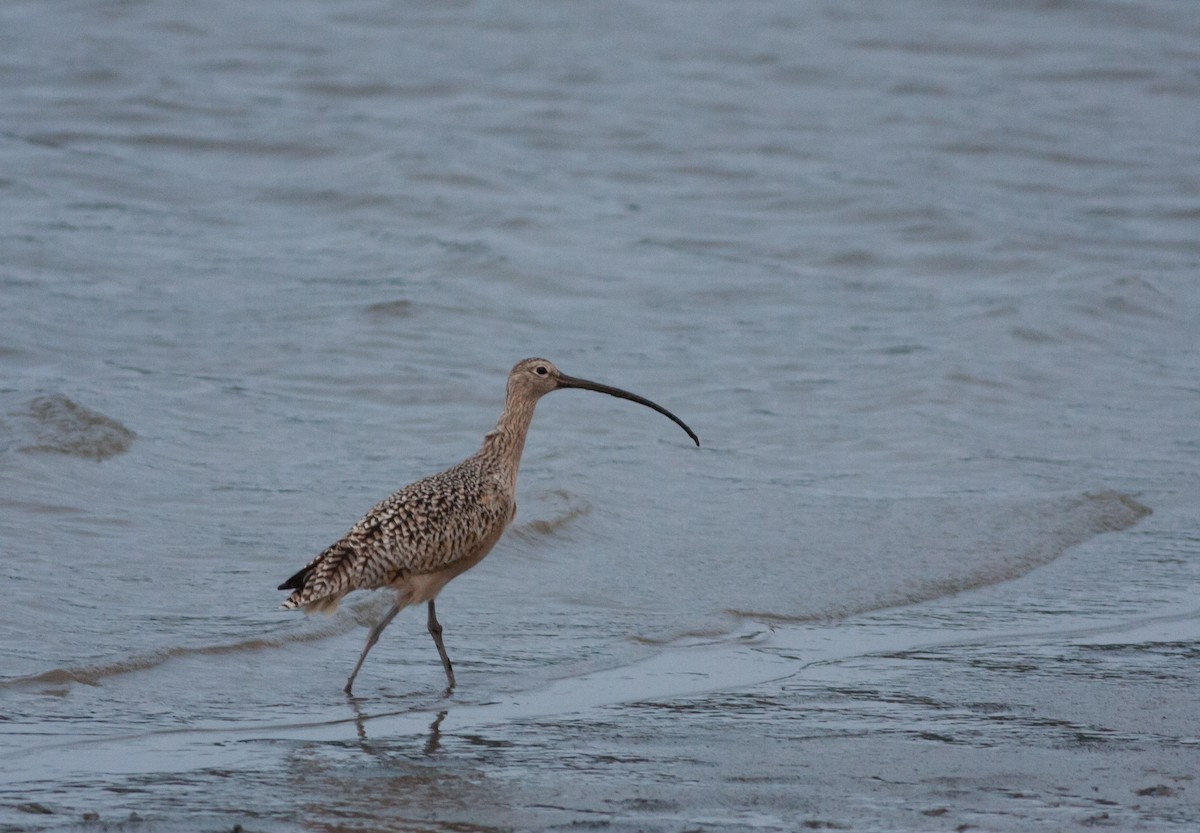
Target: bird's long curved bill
[{"x": 565, "y": 381}]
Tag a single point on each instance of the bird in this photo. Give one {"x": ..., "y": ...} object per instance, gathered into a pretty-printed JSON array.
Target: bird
[{"x": 427, "y": 533}]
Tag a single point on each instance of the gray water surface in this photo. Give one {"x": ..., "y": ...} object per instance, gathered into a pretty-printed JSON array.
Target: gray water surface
[{"x": 922, "y": 276}]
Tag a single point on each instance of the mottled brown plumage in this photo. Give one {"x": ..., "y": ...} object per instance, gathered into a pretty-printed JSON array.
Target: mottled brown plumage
[
  {"x": 421, "y": 537},
  {"x": 426, "y": 527}
]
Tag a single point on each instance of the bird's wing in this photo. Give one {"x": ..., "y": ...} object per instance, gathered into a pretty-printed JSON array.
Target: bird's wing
[{"x": 423, "y": 528}]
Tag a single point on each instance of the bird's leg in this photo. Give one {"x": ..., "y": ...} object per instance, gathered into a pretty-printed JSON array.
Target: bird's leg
[
  {"x": 372, "y": 638},
  {"x": 435, "y": 630}
]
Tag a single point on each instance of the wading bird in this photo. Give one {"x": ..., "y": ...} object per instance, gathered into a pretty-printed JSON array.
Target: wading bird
[{"x": 434, "y": 529}]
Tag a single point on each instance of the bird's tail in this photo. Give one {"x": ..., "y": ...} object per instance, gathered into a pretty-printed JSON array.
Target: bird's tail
[
  {"x": 320, "y": 585},
  {"x": 297, "y": 581}
]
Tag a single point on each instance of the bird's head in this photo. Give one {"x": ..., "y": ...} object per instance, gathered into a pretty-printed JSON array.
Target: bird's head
[{"x": 531, "y": 379}]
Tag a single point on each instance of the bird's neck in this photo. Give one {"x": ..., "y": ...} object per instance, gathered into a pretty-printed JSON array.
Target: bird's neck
[{"x": 504, "y": 443}]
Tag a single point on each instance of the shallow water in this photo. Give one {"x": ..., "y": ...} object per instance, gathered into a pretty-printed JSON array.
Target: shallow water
[{"x": 921, "y": 276}]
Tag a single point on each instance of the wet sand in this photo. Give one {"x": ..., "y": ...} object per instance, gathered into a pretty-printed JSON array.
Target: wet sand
[{"x": 868, "y": 724}]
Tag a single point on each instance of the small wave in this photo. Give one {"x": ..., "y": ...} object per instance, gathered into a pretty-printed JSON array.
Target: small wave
[
  {"x": 767, "y": 617},
  {"x": 399, "y": 308},
  {"x": 567, "y": 507},
  {"x": 60, "y": 425},
  {"x": 363, "y": 612},
  {"x": 1025, "y": 537}
]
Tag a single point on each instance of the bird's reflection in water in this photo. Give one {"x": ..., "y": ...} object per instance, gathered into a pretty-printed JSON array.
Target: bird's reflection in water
[
  {"x": 432, "y": 744},
  {"x": 435, "y": 734}
]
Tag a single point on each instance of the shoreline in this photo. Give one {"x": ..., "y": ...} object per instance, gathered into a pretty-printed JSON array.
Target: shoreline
[{"x": 876, "y": 728}]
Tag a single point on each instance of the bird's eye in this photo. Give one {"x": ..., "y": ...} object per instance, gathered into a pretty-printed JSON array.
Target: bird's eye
[{"x": 541, "y": 370}]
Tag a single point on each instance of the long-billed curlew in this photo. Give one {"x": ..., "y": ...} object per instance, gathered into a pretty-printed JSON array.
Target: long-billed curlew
[{"x": 431, "y": 531}]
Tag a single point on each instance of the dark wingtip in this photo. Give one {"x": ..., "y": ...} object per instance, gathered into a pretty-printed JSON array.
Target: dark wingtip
[{"x": 296, "y": 582}]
